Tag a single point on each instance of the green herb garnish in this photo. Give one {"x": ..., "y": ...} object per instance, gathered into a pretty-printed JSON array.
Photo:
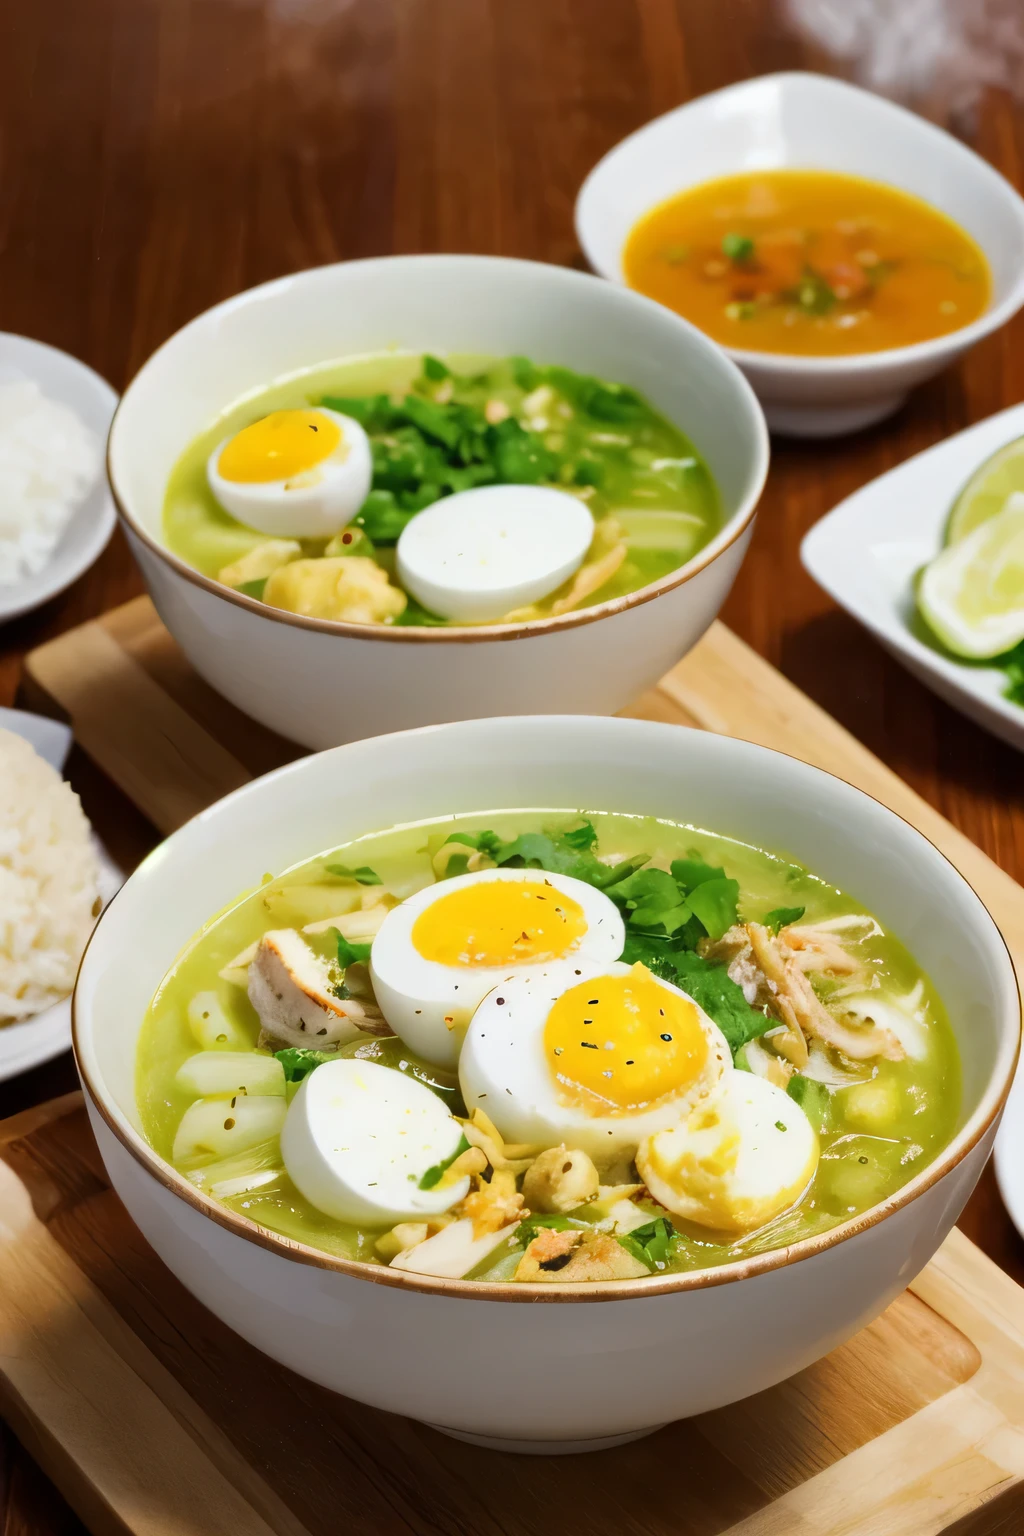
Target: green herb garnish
[
  {"x": 299, "y": 1063},
  {"x": 781, "y": 917},
  {"x": 434, "y": 1175},
  {"x": 351, "y": 954},
  {"x": 434, "y": 369},
  {"x": 253, "y": 588},
  {"x": 737, "y": 248},
  {"x": 651, "y": 1243},
  {"x": 363, "y": 874}
]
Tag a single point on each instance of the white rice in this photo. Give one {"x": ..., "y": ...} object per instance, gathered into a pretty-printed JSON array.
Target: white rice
[
  {"x": 48, "y": 461},
  {"x": 48, "y": 882}
]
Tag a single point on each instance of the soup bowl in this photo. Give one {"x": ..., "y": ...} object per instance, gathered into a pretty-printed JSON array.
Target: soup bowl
[
  {"x": 321, "y": 682},
  {"x": 545, "y": 1367},
  {"x": 812, "y": 122}
]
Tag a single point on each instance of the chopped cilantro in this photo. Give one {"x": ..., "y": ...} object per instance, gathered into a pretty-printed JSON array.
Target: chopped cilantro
[
  {"x": 651, "y": 1243},
  {"x": 363, "y": 874},
  {"x": 737, "y": 248},
  {"x": 433, "y": 368},
  {"x": 299, "y": 1063},
  {"x": 351, "y": 954},
  {"x": 781, "y": 917}
]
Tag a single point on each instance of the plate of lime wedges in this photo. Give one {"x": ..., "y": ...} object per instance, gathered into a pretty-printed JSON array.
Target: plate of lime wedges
[{"x": 930, "y": 557}]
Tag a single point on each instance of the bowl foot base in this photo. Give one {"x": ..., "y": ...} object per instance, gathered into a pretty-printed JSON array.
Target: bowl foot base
[
  {"x": 546, "y": 1447},
  {"x": 829, "y": 420}
]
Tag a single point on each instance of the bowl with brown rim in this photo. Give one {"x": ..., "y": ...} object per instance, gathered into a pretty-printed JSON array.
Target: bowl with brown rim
[
  {"x": 321, "y": 682},
  {"x": 550, "y": 1367}
]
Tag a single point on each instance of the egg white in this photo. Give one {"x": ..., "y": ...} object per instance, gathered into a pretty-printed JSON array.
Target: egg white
[
  {"x": 475, "y": 556},
  {"x": 737, "y": 1161},
  {"x": 504, "y": 1071},
  {"x": 419, "y": 997},
  {"x": 314, "y": 504},
  {"x": 357, "y": 1139}
]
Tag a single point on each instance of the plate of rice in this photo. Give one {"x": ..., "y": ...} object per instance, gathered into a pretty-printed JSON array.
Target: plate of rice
[
  {"x": 56, "y": 511},
  {"x": 55, "y": 879}
]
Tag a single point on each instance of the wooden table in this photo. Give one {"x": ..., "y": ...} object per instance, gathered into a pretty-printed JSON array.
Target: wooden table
[{"x": 158, "y": 155}]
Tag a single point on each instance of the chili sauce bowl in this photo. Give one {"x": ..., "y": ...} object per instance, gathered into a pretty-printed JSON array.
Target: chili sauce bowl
[
  {"x": 807, "y": 121},
  {"x": 321, "y": 682},
  {"x": 524, "y": 1366}
]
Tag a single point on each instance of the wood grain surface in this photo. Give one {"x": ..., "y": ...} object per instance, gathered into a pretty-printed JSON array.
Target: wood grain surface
[
  {"x": 159, "y": 1422},
  {"x": 158, "y": 155}
]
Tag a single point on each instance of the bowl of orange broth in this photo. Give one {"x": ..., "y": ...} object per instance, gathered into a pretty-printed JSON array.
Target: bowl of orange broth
[{"x": 838, "y": 247}]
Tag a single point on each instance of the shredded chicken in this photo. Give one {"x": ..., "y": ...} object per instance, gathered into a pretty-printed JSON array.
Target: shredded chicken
[
  {"x": 589, "y": 578},
  {"x": 575, "y": 1255},
  {"x": 814, "y": 949},
  {"x": 493, "y": 1205},
  {"x": 772, "y": 972}
]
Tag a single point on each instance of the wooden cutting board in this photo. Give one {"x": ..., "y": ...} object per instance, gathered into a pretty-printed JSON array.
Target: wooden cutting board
[{"x": 156, "y": 1421}]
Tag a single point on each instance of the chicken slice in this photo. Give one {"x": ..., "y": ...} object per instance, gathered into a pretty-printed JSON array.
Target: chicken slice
[{"x": 290, "y": 988}]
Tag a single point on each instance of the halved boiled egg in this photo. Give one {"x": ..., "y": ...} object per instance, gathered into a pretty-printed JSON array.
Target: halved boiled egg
[
  {"x": 294, "y": 474},
  {"x": 737, "y": 1160},
  {"x": 597, "y": 1056},
  {"x": 475, "y": 556},
  {"x": 442, "y": 950},
  {"x": 359, "y": 1139}
]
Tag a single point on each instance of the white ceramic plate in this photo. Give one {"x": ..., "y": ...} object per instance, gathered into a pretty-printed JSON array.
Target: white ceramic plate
[
  {"x": 1008, "y": 1155},
  {"x": 63, "y": 378},
  {"x": 47, "y": 1034},
  {"x": 867, "y": 550},
  {"x": 812, "y": 121}
]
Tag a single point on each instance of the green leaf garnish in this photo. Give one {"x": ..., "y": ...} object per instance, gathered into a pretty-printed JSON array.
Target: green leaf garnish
[
  {"x": 299, "y": 1063},
  {"x": 434, "y": 1174},
  {"x": 713, "y": 902},
  {"x": 737, "y": 248},
  {"x": 434, "y": 369},
  {"x": 651, "y": 1243},
  {"x": 781, "y": 917},
  {"x": 363, "y": 874},
  {"x": 349, "y": 953},
  {"x": 253, "y": 588}
]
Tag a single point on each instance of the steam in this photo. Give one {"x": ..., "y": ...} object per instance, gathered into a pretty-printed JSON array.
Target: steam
[{"x": 935, "y": 55}]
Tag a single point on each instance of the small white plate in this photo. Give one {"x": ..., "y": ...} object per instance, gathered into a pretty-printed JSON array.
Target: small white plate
[
  {"x": 867, "y": 550},
  {"x": 1008, "y": 1157},
  {"x": 47, "y": 1034},
  {"x": 813, "y": 122},
  {"x": 63, "y": 378}
]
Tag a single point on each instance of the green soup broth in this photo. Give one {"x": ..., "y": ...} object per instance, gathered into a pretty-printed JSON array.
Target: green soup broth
[
  {"x": 874, "y": 1134},
  {"x": 603, "y": 443}
]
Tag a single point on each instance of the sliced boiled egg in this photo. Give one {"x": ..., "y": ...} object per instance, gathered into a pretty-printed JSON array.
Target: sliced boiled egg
[
  {"x": 359, "y": 1138},
  {"x": 475, "y": 556},
  {"x": 738, "y": 1159},
  {"x": 442, "y": 950},
  {"x": 293, "y": 474},
  {"x": 594, "y": 1055}
]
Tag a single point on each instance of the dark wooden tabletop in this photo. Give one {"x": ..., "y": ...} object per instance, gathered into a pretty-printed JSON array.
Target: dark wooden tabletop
[{"x": 159, "y": 155}]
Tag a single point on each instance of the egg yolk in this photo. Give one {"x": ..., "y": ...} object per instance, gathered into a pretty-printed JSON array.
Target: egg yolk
[
  {"x": 619, "y": 1043},
  {"x": 499, "y": 922},
  {"x": 278, "y": 446}
]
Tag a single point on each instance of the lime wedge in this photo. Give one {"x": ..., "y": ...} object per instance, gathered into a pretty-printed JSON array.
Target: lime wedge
[
  {"x": 972, "y": 594},
  {"x": 987, "y": 490}
]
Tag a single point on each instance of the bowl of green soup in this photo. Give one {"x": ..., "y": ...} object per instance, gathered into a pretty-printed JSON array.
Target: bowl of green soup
[
  {"x": 400, "y": 491},
  {"x": 546, "y": 1078}
]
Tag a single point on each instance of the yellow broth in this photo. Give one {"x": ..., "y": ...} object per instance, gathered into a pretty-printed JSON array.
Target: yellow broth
[
  {"x": 874, "y": 1135},
  {"x": 604, "y": 444}
]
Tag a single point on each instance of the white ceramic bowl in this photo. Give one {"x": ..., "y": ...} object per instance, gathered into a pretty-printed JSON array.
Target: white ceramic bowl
[
  {"x": 545, "y": 1367},
  {"x": 320, "y": 682},
  {"x": 62, "y": 377},
  {"x": 812, "y": 121}
]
